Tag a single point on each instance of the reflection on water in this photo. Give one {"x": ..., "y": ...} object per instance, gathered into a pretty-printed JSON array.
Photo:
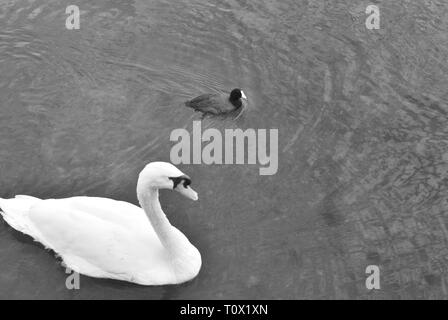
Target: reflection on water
[{"x": 363, "y": 146}]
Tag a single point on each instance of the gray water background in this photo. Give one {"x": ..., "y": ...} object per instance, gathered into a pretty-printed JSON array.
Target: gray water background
[{"x": 362, "y": 118}]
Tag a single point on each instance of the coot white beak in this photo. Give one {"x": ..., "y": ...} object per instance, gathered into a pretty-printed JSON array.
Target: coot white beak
[
  {"x": 187, "y": 192},
  {"x": 243, "y": 95}
]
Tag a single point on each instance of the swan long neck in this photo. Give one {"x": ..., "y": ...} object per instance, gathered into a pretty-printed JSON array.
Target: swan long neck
[{"x": 149, "y": 201}]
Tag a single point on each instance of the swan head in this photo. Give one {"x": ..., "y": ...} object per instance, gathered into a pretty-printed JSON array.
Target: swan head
[{"x": 164, "y": 175}]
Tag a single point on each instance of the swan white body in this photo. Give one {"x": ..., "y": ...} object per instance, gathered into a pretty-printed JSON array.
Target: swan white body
[{"x": 106, "y": 238}]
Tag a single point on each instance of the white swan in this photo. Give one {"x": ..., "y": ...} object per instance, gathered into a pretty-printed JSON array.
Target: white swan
[{"x": 105, "y": 238}]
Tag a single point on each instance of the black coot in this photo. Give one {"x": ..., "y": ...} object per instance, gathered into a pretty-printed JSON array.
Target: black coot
[{"x": 218, "y": 103}]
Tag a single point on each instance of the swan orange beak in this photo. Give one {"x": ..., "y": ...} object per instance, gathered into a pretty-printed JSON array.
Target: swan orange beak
[{"x": 187, "y": 192}]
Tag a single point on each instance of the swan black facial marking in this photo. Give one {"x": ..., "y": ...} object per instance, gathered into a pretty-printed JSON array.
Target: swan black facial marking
[{"x": 184, "y": 179}]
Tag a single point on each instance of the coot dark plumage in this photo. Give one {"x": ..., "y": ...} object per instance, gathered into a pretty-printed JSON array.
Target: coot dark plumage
[{"x": 218, "y": 103}]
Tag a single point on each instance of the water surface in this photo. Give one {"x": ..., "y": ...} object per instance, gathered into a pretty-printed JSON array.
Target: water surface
[{"x": 363, "y": 146}]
